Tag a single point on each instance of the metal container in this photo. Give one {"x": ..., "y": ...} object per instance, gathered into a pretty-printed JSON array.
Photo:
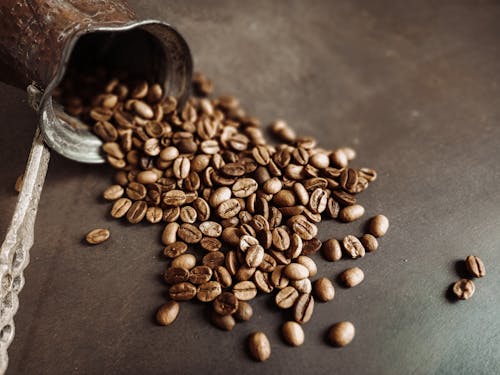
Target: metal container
[{"x": 38, "y": 37}]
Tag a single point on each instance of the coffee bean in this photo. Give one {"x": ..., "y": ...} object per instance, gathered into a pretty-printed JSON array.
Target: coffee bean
[
  {"x": 284, "y": 198},
  {"x": 175, "y": 249},
  {"x": 348, "y": 179},
  {"x": 332, "y": 208},
  {"x": 369, "y": 242},
  {"x": 293, "y": 334},
  {"x": 224, "y": 322},
  {"x": 262, "y": 281},
  {"x": 341, "y": 334},
  {"x": 296, "y": 271},
  {"x": 226, "y": 304},
  {"x": 351, "y": 213},
  {"x": 244, "y": 187},
  {"x": 331, "y": 250},
  {"x": 475, "y": 266},
  {"x": 353, "y": 246},
  {"x": 209, "y": 291},
  {"x": 318, "y": 201},
  {"x": 113, "y": 149},
  {"x": 305, "y": 229},
  {"x": 323, "y": 289},
  {"x": 283, "y": 132},
  {"x": 245, "y": 290},
  {"x": 352, "y": 276},
  {"x": 106, "y": 131},
  {"x": 136, "y": 212},
  {"x": 369, "y": 174},
  {"x": 176, "y": 275},
  {"x": 188, "y": 215},
  {"x": 272, "y": 186},
  {"x": 169, "y": 235},
  {"x": 309, "y": 264},
  {"x": 213, "y": 259},
  {"x": 136, "y": 191},
  {"x": 311, "y": 246},
  {"x": 339, "y": 159},
  {"x": 244, "y": 311},
  {"x": 229, "y": 208},
  {"x": 154, "y": 214},
  {"x": 186, "y": 261},
  {"x": 222, "y": 275},
  {"x": 254, "y": 256},
  {"x": 464, "y": 289},
  {"x": 200, "y": 275},
  {"x": 246, "y": 241},
  {"x": 211, "y": 228},
  {"x": 167, "y": 313},
  {"x": 259, "y": 346},
  {"x": 97, "y": 236},
  {"x": 303, "y": 309},
  {"x": 379, "y": 225},
  {"x": 181, "y": 167},
  {"x": 113, "y": 192},
  {"x": 233, "y": 169},
  {"x": 189, "y": 233},
  {"x": 302, "y": 286},
  {"x": 281, "y": 239},
  {"x": 174, "y": 198},
  {"x": 169, "y": 153},
  {"x": 245, "y": 273},
  {"x": 344, "y": 198},
  {"x": 286, "y": 297},
  {"x": 182, "y": 291},
  {"x": 268, "y": 263}
]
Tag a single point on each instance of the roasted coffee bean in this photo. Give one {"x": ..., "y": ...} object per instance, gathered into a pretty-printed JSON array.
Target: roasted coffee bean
[
  {"x": 106, "y": 131},
  {"x": 305, "y": 229},
  {"x": 351, "y": 213},
  {"x": 320, "y": 160},
  {"x": 283, "y": 132},
  {"x": 296, "y": 246},
  {"x": 275, "y": 218},
  {"x": 181, "y": 167},
  {"x": 211, "y": 229},
  {"x": 231, "y": 262},
  {"x": 318, "y": 201},
  {"x": 186, "y": 261},
  {"x": 475, "y": 266},
  {"x": 303, "y": 309},
  {"x": 369, "y": 242},
  {"x": 169, "y": 235},
  {"x": 309, "y": 264},
  {"x": 261, "y": 280},
  {"x": 344, "y": 198},
  {"x": 286, "y": 297},
  {"x": 210, "y": 244},
  {"x": 280, "y": 256},
  {"x": 226, "y": 304},
  {"x": 292, "y": 333},
  {"x": 302, "y": 286},
  {"x": 154, "y": 214},
  {"x": 233, "y": 169},
  {"x": 254, "y": 256},
  {"x": 137, "y": 211},
  {"x": 379, "y": 225},
  {"x": 245, "y": 273},
  {"x": 244, "y": 187},
  {"x": 348, "y": 179},
  {"x": 97, "y": 236},
  {"x": 353, "y": 246},
  {"x": 352, "y": 276},
  {"x": 261, "y": 155},
  {"x": 113, "y": 149},
  {"x": 331, "y": 250},
  {"x": 284, "y": 198},
  {"x": 174, "y": 198},
  {"x": 182, "y": 291},
  {"x": 341, "y": 334},
  {"x": 189, "y": 233},
  {"x": 272, "y": 186},
  {"x": 323, "y": 289},
  {"x": 213, "y": 259},
  {"x": 176, "y": 275},
  {"x": 259, "y": 346},
  {"x": 245, "y": 290},
  {"x": 222, "y": 275},
  {"x": 311, "y": 246},
  {"x": 229, "y": 208},
  {"x": 296, "y": 271},
  {"x": 188, "y": 215},
  {"x": 281, "y": 239},
  {"x": 147, "y": 177},
  {"x": 113, "y": 192},
  {"x": 265, "y": 238},
  {"x": 224, "y": 322},
  {"x": 339, "y": 159},
  {"x": 200, "y": 275},
  {"x": 268, "y": 263},
  {"x": 278, "y": 278},
  {"x": 369, "y": 174},
  {"x": 244, "y": 311},
  {"x": 136, "y": 191},
  {"x": 171, "y": 214},
  {"x": 332, "y": 208},
  {"x": 464, "y": 289},
  {"x": 209, "y": 291},
  {"x": 202, "y": 208},
  {"x": 175, "y": 249},
  {"x": 246, "y": 241},
  {"x": 167, "y": 313}
]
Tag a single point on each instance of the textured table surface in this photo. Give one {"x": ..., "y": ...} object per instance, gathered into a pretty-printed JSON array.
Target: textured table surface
[{"x": 413, "y": 86}]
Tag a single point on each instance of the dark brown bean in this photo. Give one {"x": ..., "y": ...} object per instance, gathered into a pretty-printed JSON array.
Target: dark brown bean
[
  {"x": 167, "y": 313},
  {"x": 303, "y": 309},
  {"x": 226, "y": 304},
  {"x": 475, "y": 266},
  {"x": 182, "y": 291},
  {"x": 176, "y": 275},
  {"x": 137, "y": 211},
  {"x": 341, "y": 334}
]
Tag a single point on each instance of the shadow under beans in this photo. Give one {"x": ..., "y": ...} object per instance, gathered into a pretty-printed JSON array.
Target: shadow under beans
[
  {"x": 449, "y": 295},
  {"x": 461, "y": 269}
]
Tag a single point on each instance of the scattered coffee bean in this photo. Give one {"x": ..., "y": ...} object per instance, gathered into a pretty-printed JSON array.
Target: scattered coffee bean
[
  {"x": 97, "y": 236},
  {"x": 323, "y": 289},
  {"x": 303, "y": 308},
  {"x": 352, "y": 276},
  {"x": 464, "y": 289},
  {"x": 353, "y": 247},
  {"x": 331, "y": 250},
  {"x": 341, "y": 334},
  {"x": 244, "y": 311},
  {"x": 224, "y": 322},
  {"x": 351, "y": 213},
  {"x": 475, "y": 266},
  {"x": 226, "y": 304},
  {"x": 293, "y": 334},
  {"x": 286, "y": 297},
  {"x": 379, "y": 225},
  {"x": 167, "y": 313},
  {"x": 183, "y": 291},
  {"x": 113, "y": 192},
  {"x": 369, "y": 242},
  {"x": 245, "y": 290},
  {"x": 259, "y": 346},
  {"x": 296, "y": 271}
]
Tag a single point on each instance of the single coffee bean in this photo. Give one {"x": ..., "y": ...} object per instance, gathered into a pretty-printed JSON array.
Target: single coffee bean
[
  {"x": 229, "y": 208},
  {"x": 311, "y": 246},
  {"x": 224, "y": 322},
  {"x": 188, "y": 214},
  {"x": 186, "y": 261},
  {"x": 296, "y": 246},
  {"x": 174, "y": 198},
  {"x": 213, "y": 259},
  {"x": 348, "y": 179},
  {"x": 265, "y": 238},
  {"x": 189, "y": 233},
  {"x": 301, "y": 193},
  {"x": 318, "y": 201},
  {"x": 169, "y": 235},
  {"x": 154, "y": 214},
  {"x": 175, "y": 249},
  {"x": 323, "y": 289},
  {"x": 209, "y": 291},
  {"x": 344, "y": 198},
  {"x": 97, "y": 236},
  {"x": 222, "y": 275},
  {"x": 244, "y": 311},
  {"x": 176, "y": 275},
  {"x": 281, "y": 257},
  {"x": 475, "y": 266},
  {"x": 200, "y": 275},
  {"x": 464, "y": 289},
  {"x": 369, "y": 242},
  {"x": 219, "y": 196},
  {"x": 352, "y": 276},
  {"x": 106, "y": 131},
  {"x": 281, "y": 239},
  {"x": 268, "y": 263},
  {"x": 296, "y": 271},
  {"x": 353, "y": 246},
  {"x": 284, "y": 198},
  {"x": 113, "y": 193},
  {"x": 332, "y": 208},
  {"x": 278, "y": 279},
  {"x": 339, "y": 159},
  {"x": 113, "y": 149},
  {"x": 293, "y": 334},
  {"x": 286, "y": 297},
  {"x": 244, "y": 272},
  {"x": 211, "y": 228},
  {"x": 244, "y": 187},
  {"x": 272, "y": 186},
  {"x": 302, "y": 286},
  {"x": 226, "y": 304},
  {"x": 254, "y": 256},
  {"x": 136, "y": 191},
  {"x": 379, "y": 225},
  {"x": 246, "y": 241},
  {"x": 167, "y": 313},
  {"x": 181, "y": 167},
  {"x": 341, "y": 334},
  {"x": 309, "y": 264},
  {"x": 283, "y": 132},
  {"x": 169, "y": 153},
  {"x": 303, "y": 309},
  {"x": 152, "y": 147},
  {"x": 262, "y": 281},
  {"x": 137, "y": 211},
  {"x": 331, "y": 250},
  {"x": 305, "y": 229},
  {"x": 351, "y": 213},
  {"x": 245, "y": 290},
  {"x": 259, "y": 346},
  {"x": 233, "y": 169},
  {"x": 369, "y": 174},
  {"x": 182, "y": 291}
]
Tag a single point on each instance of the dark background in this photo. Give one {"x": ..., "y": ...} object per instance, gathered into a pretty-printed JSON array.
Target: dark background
[{"x": 413, "y": 86}]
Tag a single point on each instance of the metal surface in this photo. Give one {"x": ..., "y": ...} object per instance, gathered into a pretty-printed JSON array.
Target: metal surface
[
  {"x": 413, "y": 86},
  {"x": 37, "y": 39}
]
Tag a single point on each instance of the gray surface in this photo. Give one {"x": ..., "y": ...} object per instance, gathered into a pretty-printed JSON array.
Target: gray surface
[{"x": 414, "y": 86}]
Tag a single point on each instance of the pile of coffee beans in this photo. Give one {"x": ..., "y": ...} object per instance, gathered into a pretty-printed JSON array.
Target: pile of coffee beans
[
  {"x": 239, "y": 214},
  {"x": 465, "y": 288}
]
